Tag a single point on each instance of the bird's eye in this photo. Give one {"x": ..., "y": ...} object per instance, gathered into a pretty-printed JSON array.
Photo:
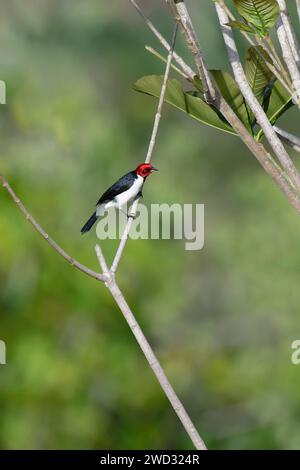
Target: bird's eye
[{"x": 145, "y": 170}]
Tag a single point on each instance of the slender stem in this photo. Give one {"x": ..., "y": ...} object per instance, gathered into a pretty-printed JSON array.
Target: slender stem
[
  {"x": 101, "y": 260},
  {"x": 45, "y": 235},
  {"x": 163, "y": 59},
  {"x": 289, "y": 59},
  {"x": 298, "y": 8},
  {"x": 182, "y": 16},
  {"x": 281, "y": 70},
  {"x": 252, "y": 101},
  {"x": 155, "y": 365},
  {"x": 273, "y": 53},
  {"x": 288, "y": 138},
  {"x": 150, "y": 356},
  {"x": 161, "y": 100},
  {"x": 293, "y": 42},
  {"x": 185, "y": 67},
  {"x": 151, "y": 146},
  {"x": 124, "y": 239}
]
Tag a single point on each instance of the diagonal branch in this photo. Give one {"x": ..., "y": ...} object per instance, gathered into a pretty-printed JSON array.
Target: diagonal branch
[
  {"x": 102, "y": 261},
  {"x": 151, "y": 146},
  {"x": 288, "y": 58},
  {"x": 45, "y": 235},
  {"x": 182, "y": 16},
  {"x": 288, "y": 138},
  {"x": 286, "y": 20},
  {"x": 162, "y": 58},
  {"x": 150, "y": 356},
  {"x": 185, "y": 67}
]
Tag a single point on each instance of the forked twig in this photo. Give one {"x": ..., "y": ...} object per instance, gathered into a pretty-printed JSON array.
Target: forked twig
[{"x": 288, "y": 138}]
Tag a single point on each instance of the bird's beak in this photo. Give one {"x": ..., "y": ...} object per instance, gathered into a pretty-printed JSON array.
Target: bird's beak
[{"x": 154, "y": 169}]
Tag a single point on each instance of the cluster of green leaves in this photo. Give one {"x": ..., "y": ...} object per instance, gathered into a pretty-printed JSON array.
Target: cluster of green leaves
[{"x": 258, "y": 16}]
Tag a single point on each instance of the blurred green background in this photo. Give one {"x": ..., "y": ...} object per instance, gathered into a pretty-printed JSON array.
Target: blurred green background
[{"x": 221, "y": 320}]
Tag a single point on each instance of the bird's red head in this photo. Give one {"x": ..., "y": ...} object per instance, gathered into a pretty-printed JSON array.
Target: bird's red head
[{"x": 145, "y": 169}]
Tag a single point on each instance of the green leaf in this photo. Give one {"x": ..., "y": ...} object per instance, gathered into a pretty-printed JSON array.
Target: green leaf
[
  {"x": 257, "y": 72},
  {"x": 280, "y": 102},
  {"x": 260, "y": 13},
  {"x": 194, "y": 106},
  {"x": 241, "y": 26}
]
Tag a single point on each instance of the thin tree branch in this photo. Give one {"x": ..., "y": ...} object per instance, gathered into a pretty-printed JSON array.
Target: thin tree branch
[
  {"x": 185, "y": 67},
  {"x": 149, "y": 354},
  {"x": 161, "y": 99},
  {"x": 288, "y": 138},
  {"x": 45, "y": 235},
  {"x": 102, "y": 261},
  {"x": 286, "y": 20},
  {"x": 182, "y": 16},
  {"x": 279, "y": 70},
  {"x": 252, "y": 101},
  {"x": 289, "y": 59},
  {"x": 163, "y": 59},
  {"x": 124, "y": 238},
  {"x": 152, "y": 142},
  {"x": 155, "y": 366},
  {"x": 298, "y": 8}
]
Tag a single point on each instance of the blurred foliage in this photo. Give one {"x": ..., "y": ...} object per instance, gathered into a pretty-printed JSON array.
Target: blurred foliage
[{"x": 221, "y": 320}]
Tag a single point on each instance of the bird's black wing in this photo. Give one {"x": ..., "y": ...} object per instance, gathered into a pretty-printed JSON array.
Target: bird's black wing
[{"x": 118, "y": 187}]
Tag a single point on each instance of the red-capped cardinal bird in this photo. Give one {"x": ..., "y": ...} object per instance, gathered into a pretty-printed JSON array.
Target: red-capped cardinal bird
[{"x": 128, "y": 188}]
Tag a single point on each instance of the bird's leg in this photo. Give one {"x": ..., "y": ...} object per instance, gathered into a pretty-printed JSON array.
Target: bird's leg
[
  {"x": 128, "y": 215},
  {"x": 131, "y": 215},
  {"x": 139, "y": 194}
]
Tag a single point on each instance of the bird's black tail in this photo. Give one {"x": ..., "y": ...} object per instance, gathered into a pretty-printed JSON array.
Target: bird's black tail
[{"x": 89, "y": 223}]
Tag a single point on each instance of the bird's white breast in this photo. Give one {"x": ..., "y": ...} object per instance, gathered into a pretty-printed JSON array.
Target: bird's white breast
[{"x": 123, "y": 198}]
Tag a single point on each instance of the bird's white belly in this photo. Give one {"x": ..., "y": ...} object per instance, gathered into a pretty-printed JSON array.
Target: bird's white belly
[{"x": 123, "y": 198}]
